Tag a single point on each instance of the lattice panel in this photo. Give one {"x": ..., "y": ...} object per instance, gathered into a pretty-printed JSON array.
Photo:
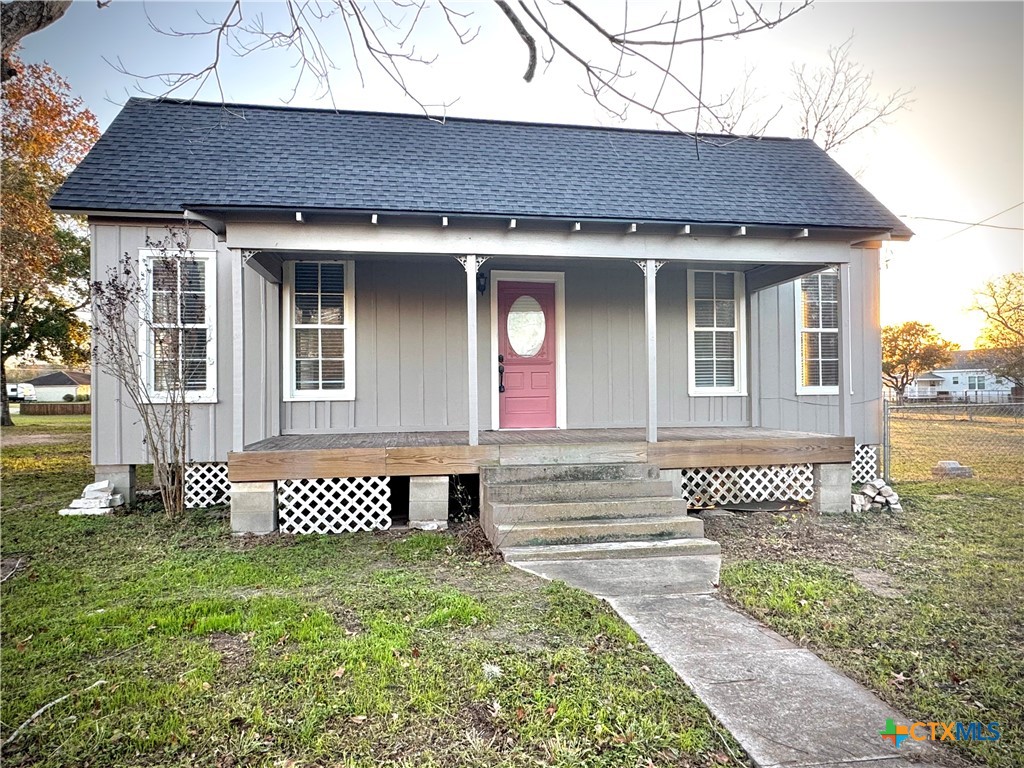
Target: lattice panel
[
  {"x": 865, "y": 463},
  {"x": 206, "y": 485},
  {"x": 713, "y": 486},
  {"x": 334, "y": 505}
]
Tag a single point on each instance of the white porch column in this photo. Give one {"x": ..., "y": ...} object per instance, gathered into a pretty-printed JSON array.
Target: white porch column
[
  {"x": 845, "y": 352},
  {"x": 238, "y": 350},
  {"x": 472, "y": 263},
  {"x": 650, "y": 269}
]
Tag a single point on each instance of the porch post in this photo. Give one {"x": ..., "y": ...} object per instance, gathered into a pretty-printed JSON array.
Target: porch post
[
  {"x": 650, "y": 269},
  {"x": 238, "y": 351},
  {"x": 471, "y": 263},
  {"x": 845, "y": 353}
]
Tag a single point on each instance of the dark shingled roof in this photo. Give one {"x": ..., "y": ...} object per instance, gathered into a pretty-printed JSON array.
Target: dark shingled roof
[
  {"x": 61, "y": 379},
  {"x": 163, "y": 156}
]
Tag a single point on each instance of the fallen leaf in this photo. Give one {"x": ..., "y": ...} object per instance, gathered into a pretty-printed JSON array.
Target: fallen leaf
[
  {"x": 358, "y": 719},
  {"x": 721, "y": 758},
  {"x": 339, "y": 672},
  {"x": 520, "y": 714},
  {"x": 415, "y": 653},
  {"x": 551, "y": 679}
]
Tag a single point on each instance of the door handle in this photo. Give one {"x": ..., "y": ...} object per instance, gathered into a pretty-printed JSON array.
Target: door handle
[{"x": 501, "y": 374}]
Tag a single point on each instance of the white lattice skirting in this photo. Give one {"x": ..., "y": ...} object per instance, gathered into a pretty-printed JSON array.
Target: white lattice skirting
[
  {"x": 206, "y": 485},
  {"x": 334, "y": 505},
  {"x": 712, "y": 486},
  {"x": 865, "y": 463}
]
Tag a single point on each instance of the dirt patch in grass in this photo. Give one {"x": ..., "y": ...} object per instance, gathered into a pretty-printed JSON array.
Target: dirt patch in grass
[
  {"x": 877, "y": 582},
  {"x": 11, "y": 565},
  {"x": 235, "y": 650},
  {"x": 11, "y": 440}
]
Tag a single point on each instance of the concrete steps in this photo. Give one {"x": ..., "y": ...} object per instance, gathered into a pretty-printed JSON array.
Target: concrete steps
[
  {"x": 593, "y": 531},
  {"x": 615, "y": 550},
  {"x": 587, "y": 509}
]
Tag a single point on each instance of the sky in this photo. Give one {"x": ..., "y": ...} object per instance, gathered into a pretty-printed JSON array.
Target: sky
[{"x": 956, "y": 154}]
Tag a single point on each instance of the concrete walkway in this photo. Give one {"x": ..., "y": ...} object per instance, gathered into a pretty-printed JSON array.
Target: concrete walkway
[{"x": 784, "y": 705}]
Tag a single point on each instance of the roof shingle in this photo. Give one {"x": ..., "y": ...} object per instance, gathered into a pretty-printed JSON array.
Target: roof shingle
[{"x": 164, "y": 155}]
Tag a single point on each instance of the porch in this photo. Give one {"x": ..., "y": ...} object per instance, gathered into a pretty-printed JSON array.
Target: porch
[{"x": 447, "y": 453}]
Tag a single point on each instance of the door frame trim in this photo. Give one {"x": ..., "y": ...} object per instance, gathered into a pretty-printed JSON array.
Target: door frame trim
[{"x": 558, "y": 279}]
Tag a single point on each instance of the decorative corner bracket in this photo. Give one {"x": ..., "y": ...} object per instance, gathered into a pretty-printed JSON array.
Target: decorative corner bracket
[
  {"x": 643, "y": 265},
  {"x": 464, "y": 261}
]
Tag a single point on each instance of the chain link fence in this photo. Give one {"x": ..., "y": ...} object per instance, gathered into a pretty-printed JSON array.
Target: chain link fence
[{"x": 987, "y": 438}]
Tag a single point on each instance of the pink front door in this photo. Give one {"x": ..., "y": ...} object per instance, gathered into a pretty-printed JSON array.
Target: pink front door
[{"x": 526, "y": 347}]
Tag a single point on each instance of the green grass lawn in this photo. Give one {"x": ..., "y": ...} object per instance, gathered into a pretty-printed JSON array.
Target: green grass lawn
[
  {"x": 389, "y": 649},
  {"x": 925, "y": 607}
]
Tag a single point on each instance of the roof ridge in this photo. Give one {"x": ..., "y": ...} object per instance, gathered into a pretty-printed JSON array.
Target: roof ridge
[{"x": 452, "y": 118}]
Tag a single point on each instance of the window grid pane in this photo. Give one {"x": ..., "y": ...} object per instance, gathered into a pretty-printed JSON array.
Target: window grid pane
[
  {"x": 716, "y": 309},
  {"x": 819, "y": 332},
  {"x": 180, "y": 335},
  {"x": 319, "y": 318}
]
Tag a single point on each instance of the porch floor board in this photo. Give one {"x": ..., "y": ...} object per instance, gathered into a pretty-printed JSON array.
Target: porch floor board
[
  {"x": 518, "y": 437},
  {"x": 364, "y": 454}
]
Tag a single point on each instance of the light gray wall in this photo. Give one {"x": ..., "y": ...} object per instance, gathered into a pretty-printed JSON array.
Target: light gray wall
[
  {"x": 773, "y": 333},
  {"x": 116, "y": 431},
  {"x": 411, "y": 354}
]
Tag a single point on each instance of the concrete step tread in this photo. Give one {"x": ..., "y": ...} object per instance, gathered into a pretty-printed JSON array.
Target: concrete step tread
[
  {"x": 517, "y": 474},
  {"x": 646, "y": 485},
  {"x": 600, "y": 522},
  {"x": 600, "y": 507},
  {"x": 612, "y": 550}
]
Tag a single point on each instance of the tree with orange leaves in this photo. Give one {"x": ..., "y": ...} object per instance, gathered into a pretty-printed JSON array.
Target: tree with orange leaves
[{"x": 44, "y": 258}]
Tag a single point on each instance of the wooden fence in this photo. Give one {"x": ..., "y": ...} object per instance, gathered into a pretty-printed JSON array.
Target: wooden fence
[{"x": 55, "y": 409}]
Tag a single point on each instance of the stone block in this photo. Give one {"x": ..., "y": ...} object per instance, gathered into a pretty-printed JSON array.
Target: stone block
[
  {"x": 428, "y": 502},
  {"x": 120, "y": 478},
  {"x": 832, "y": 484},
  {"x": 92, "y": 511},
  {"x": 675, "y": 476},
  {"x": 947, "y": 469},
  {"x": 253, "y": 508}
]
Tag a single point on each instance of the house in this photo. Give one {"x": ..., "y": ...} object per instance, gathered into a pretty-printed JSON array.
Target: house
[
  {"x": 967, "y": 379},
  {"x": 600, "y": 323},
  {"x": 53, "y": 387}
]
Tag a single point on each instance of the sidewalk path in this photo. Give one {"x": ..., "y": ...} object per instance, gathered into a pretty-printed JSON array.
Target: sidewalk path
[{"x": 784, "y": 705}]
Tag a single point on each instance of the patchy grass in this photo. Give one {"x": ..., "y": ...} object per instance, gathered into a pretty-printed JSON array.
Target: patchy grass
[
  {"x": 923, "y": 607},
  {"x": 355, "y": 650}
]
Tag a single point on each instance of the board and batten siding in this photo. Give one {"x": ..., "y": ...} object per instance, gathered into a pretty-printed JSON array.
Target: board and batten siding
[
  {"x": 773, "y": 333},
  {"x": 117, "y": 434}
]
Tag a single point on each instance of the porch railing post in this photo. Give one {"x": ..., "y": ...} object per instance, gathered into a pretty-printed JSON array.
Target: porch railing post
[
  {"x": 471, "y": 263},
  {"x": 238, "y": 351},
  {"x": 845, "y": 353},
  {"x": 650, "y": 269}
]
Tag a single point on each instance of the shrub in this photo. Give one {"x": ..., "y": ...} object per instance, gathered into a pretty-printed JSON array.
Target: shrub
[{"x": 69, "y": 398}]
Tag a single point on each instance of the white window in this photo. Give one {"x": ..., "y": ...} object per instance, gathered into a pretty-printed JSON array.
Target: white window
[
  {"x": 817, "y": 327},
  {"x": 975, "y": 382},
  {"x": 956, "y": 379},
  {"x": 319, "y": 326},
  {"x": 178, "y": 343},
  {"x": 717, "y": 339}
]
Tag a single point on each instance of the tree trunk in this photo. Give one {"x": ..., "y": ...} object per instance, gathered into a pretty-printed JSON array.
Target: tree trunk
[
  {"x": 18, "y": 19},
  {"x": 5, "y": 416}
]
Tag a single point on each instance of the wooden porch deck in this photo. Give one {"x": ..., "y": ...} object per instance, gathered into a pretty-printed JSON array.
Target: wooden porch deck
[{"x": 447, "y": 453}]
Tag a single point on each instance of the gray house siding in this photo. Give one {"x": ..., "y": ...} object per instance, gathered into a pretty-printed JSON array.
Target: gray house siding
[
  {"x": 411, "y": 353},
  {"x": 117, "y": 434},
  {"x": 773, "y": 334}
]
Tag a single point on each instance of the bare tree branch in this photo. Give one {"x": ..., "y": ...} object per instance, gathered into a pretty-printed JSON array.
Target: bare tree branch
[{"x": 836, "y": 101}]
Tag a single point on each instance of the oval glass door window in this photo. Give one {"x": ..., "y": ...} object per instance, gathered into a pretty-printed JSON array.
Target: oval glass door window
[{"x": 526, "y": 326}]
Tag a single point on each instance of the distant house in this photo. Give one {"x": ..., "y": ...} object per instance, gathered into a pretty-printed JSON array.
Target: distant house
[
  {"x": 52, "y": 387},
  {"x": 966, "y": 379}
]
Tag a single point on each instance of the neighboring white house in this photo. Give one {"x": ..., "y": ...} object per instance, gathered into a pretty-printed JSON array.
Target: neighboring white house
[
  {"x": 966, "y": 379},
  {"x": 52, "y": 387}
]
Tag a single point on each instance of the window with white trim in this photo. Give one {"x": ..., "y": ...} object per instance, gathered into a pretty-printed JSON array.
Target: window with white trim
[
  {"x": 975, "y": 382},
  {"x": 817, "y": 320},
  {"x": 716, "y": 320},
  {"x": 179, "y": 340},
  {"x": 319, "y": 344}
]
